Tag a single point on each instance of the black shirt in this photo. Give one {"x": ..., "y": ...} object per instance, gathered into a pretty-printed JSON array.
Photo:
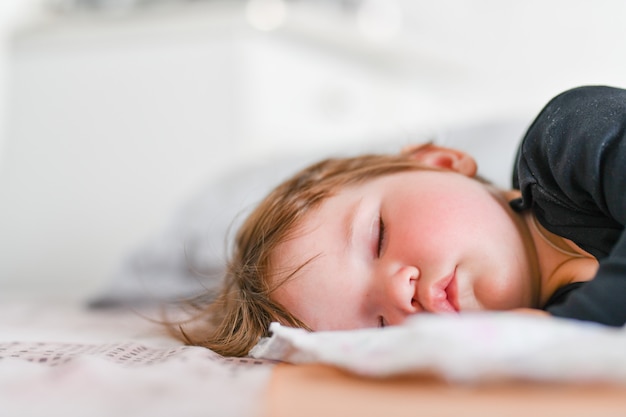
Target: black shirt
[{"x": 571, "y": 170}]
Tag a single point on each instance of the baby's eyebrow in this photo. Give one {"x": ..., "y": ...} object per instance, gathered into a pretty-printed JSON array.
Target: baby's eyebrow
[{"x": 351, "y": 219}]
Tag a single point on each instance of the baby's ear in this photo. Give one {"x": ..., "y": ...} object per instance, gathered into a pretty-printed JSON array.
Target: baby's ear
[{"x": 440, "y": 157}]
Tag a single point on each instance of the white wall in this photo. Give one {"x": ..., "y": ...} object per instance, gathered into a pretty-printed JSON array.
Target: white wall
[{"x": 522, "y": 51}]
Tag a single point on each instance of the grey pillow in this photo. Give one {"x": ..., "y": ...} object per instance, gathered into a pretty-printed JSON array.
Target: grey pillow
[{"x": 188, "y": 256}]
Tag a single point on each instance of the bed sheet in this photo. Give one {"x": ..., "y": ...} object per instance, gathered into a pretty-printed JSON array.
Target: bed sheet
[{"x": 58, "y": 358}]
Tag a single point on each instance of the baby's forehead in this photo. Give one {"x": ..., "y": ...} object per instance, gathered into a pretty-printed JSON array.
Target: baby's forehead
[{"x": 356, "y": 185}]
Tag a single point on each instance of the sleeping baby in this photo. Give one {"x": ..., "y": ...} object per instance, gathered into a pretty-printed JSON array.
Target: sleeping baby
[{"x": 368, "y": 241}]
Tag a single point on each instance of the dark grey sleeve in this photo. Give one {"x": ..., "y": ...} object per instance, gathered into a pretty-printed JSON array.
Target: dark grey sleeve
[{"x": 572, "y": 172}]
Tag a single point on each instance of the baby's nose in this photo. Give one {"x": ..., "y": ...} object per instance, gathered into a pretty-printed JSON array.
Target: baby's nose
[{"x": 401, "y": 293}]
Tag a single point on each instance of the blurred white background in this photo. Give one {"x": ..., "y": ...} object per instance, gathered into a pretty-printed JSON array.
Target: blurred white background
[
  {"x": 11, "y": 13},
  {"x": 114, "y": 112}
]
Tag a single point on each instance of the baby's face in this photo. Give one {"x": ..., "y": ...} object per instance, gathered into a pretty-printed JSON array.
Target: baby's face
[{"x": 407, "y": 243}]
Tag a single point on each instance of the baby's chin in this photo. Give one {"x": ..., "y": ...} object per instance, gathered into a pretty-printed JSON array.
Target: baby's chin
[
  {"x": 495, "y": 303},
  {"x": 496, "y": 295},
  {"x": 468, "y": 302}
]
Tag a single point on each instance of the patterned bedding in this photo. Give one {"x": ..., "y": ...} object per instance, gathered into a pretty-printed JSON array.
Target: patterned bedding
[{"x": 62, "y": 360}]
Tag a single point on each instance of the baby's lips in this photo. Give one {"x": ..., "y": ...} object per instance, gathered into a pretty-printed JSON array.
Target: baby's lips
[
  {"x": 441, "y": 297},
  {"x": 453, "y": 293}
]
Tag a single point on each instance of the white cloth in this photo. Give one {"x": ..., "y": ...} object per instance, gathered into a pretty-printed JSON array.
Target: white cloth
[{"x": 468, "y": 348}]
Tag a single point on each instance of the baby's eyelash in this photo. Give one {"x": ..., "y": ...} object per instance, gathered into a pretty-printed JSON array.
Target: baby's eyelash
[
  {"x": 381, "y": 235},
  {"x": 381, "y": 322}
]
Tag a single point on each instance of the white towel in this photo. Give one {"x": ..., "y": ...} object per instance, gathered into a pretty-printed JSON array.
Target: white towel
[{"x": 469, "y": 348}]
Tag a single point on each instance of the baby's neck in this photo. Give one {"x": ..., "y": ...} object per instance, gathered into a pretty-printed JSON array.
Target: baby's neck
[{"x": 560, "y": 261}]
